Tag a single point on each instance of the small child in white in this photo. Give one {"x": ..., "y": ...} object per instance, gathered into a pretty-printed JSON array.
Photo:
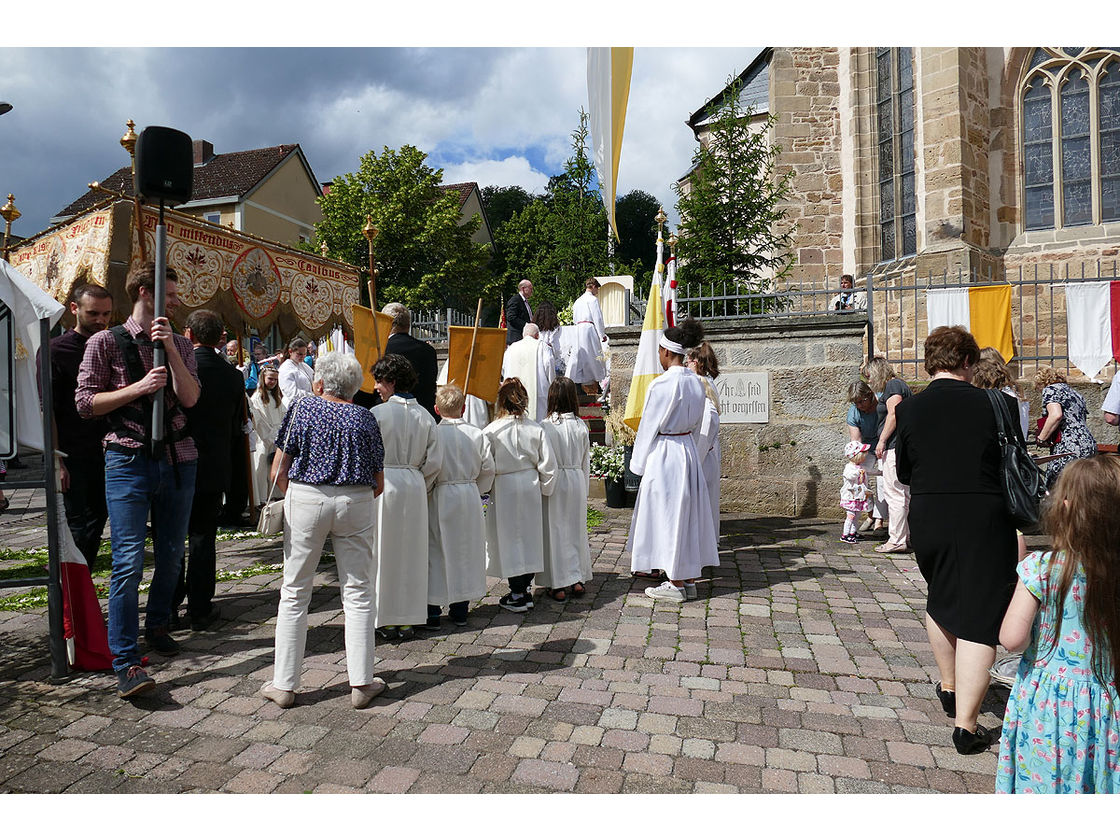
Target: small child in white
[{"x": 853, "y": 493}]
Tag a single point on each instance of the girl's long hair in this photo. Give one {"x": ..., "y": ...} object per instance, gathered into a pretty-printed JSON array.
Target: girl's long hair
[
  {"x": 512, "y": 399},
  {"x": 563, "y": 397},
  {"x": 264, "y": 392},
  {"x": 1082, "y": 519}
]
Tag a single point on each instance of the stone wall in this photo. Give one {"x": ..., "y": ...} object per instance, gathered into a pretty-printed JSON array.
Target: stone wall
[
  {"x": 791, "y": 465},
  {"x": 805, "y": 95}
]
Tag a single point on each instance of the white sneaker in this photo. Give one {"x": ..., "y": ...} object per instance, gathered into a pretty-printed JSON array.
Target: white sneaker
[
  {"x": 690, "y": 591},
  {"x": 666, "y": 592}
]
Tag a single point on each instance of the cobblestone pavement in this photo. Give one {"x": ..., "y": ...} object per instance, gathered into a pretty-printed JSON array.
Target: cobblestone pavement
[{"x": 803, "y": 667}]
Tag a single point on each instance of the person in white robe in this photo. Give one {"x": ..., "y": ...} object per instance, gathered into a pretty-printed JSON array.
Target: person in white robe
[
  {"x": 587, "y": 358},
  {"x": 524, "y": 471},
  {"x": 702, "y": 361},
  {"x": 476, "y": 411},
  {"x": 267, "y": 409},
  {"x": 672, "y": 524},
  {"x": 567, "y": 553},
  {"x": 456, "y": 524},
  {"x": 412, "y": 460},
  {"x": 553, "y": 336},
  {"x": 295, "y": 373},
  {"x": 529, "y": 361}
]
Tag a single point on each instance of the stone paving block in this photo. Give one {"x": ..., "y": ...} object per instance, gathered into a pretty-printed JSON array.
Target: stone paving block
[
  {"x": 393, "y": 780},
  {"x": 547, "y": 774}
]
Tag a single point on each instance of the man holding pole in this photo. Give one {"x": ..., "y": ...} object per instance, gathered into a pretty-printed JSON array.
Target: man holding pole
[
  {"x": 117, "y": 380},
  {"x": 420, "y": 353}
]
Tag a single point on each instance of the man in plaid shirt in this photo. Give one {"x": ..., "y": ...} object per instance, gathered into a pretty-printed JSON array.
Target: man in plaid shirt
[{"x": 117, "y": 380}]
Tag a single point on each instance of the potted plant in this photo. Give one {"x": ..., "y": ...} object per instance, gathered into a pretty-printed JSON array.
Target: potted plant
[
  {"x": 608, "y": 463},
  {"x": 622, "y": 435}
]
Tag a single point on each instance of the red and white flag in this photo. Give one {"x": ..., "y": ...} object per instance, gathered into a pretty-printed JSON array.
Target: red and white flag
[
  {"x": 87, "y": 642},
  {"x": 669, "y": 293}
]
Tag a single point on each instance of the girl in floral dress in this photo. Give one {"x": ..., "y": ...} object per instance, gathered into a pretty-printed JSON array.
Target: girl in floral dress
[{"x": 1061, "y": 730}]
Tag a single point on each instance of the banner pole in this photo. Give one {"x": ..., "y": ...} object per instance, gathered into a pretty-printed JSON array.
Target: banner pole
[
  {"x": 158, "y": 352},
  {"x": 474, "y": 342}
]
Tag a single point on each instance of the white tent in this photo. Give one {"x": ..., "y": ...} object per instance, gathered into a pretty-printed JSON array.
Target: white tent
[{"x": 20, "y": 347}]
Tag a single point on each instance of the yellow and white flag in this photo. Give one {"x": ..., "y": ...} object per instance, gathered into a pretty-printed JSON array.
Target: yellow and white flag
[
  {"x": 647, "y": 364},
  {"x": 608, "y": 90},
  {"x": 985, "y": 311}
]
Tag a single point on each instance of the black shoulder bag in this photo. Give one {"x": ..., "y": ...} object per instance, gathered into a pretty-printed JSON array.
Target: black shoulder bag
[{"x": 1022, "y": 481}]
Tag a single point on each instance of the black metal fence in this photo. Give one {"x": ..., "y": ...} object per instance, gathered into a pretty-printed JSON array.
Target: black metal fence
[
  {"x": 431, "y": 325},
  {"x": 1038, "y": 314}
]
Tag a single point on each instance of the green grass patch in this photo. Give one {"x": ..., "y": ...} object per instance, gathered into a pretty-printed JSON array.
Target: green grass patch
[{"x": 594, "y": 517}]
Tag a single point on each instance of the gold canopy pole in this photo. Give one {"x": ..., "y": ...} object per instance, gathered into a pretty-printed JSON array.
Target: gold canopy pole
[
  {"x": 129, "y": 144},
  {"x": 10, "y": 214},
  {"x": 370, "y": 232}
]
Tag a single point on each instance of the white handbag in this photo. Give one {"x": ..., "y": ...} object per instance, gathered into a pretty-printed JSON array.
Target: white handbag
[{"x": 271, "y": 520}]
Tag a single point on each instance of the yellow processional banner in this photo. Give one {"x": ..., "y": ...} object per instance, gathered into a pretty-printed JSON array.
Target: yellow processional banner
[
  {"x": 486, "y": 365},
  {"x": 369, "y": 344}
]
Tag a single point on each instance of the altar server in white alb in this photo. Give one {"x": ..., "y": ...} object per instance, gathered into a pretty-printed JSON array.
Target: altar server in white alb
[
  {"x": 412, "y": 461},
  {"x": 703, "y": 362},
  {"x": 672, "y": 524},
  {"x": 587, "y": 357},
  {"x": 530, "y": 361},
  {"x": 524, "y": 471},
  {"x": 456, "y": 527},
  {"x": 567, "y": 555}
]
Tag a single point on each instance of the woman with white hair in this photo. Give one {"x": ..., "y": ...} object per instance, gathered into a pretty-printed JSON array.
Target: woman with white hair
[{"x": 328, "y": 465}]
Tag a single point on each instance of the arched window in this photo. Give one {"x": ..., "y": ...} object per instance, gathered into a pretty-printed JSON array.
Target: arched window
[
  {"x": 894, "y": 110},
  {"x": 1070, "y": 130}
]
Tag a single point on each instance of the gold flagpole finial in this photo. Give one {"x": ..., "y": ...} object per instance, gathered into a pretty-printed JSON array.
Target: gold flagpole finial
[
  {"x": 672, "y": 240},
  {"x": 10, "y": 214},
  {"x": 129, "y": 142}
]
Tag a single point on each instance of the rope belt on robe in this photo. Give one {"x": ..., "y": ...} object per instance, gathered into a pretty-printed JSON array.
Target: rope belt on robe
[
  {"x": 673, "y": 434},
  {"x": 457, "y": 481}
]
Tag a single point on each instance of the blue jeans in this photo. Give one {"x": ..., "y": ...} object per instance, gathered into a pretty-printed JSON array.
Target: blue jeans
[{"x": 134, "y": 485}]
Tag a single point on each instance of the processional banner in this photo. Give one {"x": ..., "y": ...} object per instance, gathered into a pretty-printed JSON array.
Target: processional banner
[
  {"x": 248, "y": 279},
  {"x": 68, "y": 255}
]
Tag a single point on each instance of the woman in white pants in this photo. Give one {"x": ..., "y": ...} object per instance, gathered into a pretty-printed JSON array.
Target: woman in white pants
[{"x": 329, "y": 467}]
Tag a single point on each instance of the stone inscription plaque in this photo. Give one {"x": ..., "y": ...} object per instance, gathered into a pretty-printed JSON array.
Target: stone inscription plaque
[{"x": 744, "y": 397}]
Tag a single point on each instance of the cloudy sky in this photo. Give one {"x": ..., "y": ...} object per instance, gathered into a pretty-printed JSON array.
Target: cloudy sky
[{"x": 499, "y": 116}]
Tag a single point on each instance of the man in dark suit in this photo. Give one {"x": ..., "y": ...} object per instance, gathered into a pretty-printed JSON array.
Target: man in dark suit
[
  {"x": 215, "y": 421},
  {"x": 420, "y": 353},
  {"x": 518, "y": 311}
]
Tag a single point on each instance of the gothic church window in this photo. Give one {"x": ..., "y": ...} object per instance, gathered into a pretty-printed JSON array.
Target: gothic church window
[
  {"x": 1070, "y": 133},
  {"x": 894, "y": 101}
]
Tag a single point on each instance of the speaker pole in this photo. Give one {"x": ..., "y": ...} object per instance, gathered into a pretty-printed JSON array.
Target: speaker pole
[{"x": 159, "y": 356}]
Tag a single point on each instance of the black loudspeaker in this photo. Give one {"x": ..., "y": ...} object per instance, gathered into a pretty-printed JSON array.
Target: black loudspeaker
[{"x": 164, "y": 164}]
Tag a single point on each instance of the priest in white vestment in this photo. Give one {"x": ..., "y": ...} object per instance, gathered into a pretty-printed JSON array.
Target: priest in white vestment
[
  {"x": 530, "y": 361},
  {"x": 567, "y": 553},
  {"x": 587, "y": 356},
  {"x": 672, "y": 523},
  {"x": 412, "y": 461},
  {"x": 524, "y": 471},
  {"x": 456, "y": 525}
]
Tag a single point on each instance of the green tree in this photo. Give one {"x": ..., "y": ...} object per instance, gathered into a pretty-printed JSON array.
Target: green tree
[
  {"x": 559, "y": 240},
  {"x": 637, "y": 231},
  {"x": 733, "y": 227},
  {"x": 502, "y": 203},
  {"x": 425, "y": 257}
]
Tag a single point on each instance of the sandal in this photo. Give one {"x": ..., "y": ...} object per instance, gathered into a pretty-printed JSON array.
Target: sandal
[
  {"x": 891, "y": 548},
  {"x": 654, "y": 575},
  {"x": 557, "y": 594},
  {"x": 578, "y": 590}
]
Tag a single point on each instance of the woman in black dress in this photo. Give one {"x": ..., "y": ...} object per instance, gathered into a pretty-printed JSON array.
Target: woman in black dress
[{"x": 960, "y": 532}]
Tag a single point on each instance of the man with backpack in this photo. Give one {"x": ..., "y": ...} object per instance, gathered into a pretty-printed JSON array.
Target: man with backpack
[{"x": 117, "y": 380}]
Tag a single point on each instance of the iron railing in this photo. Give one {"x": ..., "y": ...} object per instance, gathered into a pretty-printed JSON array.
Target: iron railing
[
  {"x": 431, "y": 325},
  {"x": 1038, "y": 322}
]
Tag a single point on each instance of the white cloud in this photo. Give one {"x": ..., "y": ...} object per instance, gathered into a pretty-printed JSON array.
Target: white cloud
[{"x": 507, "y": 172}]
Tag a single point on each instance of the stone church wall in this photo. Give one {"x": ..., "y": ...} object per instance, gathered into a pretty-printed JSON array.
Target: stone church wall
[{"x": 791, "y": 465}]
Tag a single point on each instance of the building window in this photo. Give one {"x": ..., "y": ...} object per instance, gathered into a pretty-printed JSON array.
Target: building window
[
  {"x": 216, "y": 218},
  {"x": 894, "y": 100},
  {"x": 1070, "y": 133}
]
